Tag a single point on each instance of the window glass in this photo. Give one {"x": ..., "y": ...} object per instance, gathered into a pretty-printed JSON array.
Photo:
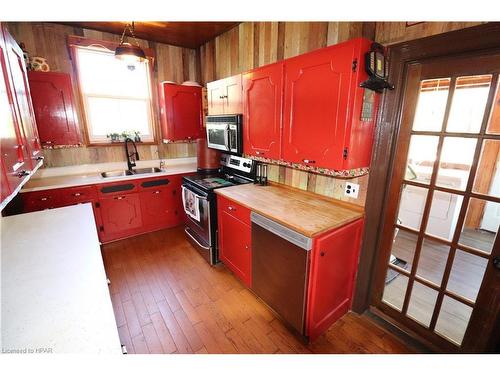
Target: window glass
[
  {"x": 431, "y": 104},
  {"x": 469, "y": 102},
  {"x": 116, "y": 95}
]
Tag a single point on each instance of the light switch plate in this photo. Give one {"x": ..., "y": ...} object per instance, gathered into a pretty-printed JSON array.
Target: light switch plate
[{"x": 351, "y": 190}]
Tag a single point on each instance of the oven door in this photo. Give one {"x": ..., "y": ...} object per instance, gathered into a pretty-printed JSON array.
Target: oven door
[
  {"x": 199, "y": 232},
  {"x": 217, "y": 136}
]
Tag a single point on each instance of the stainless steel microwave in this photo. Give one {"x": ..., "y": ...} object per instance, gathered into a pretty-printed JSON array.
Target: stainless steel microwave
[{"x": 224, "y": 133}]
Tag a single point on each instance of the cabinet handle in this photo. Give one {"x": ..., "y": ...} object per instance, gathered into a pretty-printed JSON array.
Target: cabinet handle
[
  {"x": 44, "y": 199},
  {"x": 156, "y": 192},
  {"x": 246, "y": 247},
  {"x": 77, "y": 194},
  {"x": 322, "y": 253},
  {"x": 230, "y": 208},
  {"x": 120, "y": 197},
  {"x": 23, "y": 173},
  {"x": 259, "y": 152},
  {"x": 308, "y": 161}
]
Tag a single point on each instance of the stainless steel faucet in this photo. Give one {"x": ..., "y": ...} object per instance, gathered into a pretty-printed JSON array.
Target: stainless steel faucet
[{"x": 132, "y": 157}]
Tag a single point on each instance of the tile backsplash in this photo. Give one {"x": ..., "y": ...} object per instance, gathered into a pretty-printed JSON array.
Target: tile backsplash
[
  {"x": 107, "y": 154},
  {"x": 316, "y": 183}
]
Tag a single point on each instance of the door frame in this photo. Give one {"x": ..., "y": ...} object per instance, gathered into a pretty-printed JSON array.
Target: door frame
[{"x": 453, "y": 44}]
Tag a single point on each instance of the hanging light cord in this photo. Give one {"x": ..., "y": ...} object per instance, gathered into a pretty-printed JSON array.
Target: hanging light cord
[{"x": 131, "y": 28}]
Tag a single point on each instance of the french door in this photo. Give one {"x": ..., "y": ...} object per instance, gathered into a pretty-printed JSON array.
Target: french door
[{"x": 437, "y": 273}]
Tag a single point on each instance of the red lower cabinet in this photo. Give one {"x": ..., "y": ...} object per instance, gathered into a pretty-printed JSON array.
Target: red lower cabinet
[
  {"x": 158, "y": 204},
  {"x": 121, "y": 209},
  {"x": 235, "y": 249},
  {"x": 121, "y": 216},
  {"x": 334, "y": 261}
]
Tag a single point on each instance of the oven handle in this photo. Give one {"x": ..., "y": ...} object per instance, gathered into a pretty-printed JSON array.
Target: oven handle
[
  {"x": 186, "y": 230},
  {"x": 192, "y": 191}
]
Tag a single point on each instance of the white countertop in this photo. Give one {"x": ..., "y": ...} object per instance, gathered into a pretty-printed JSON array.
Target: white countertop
[
  {"x": 90, "y": 174},
  {"x": 54, "y": 290}
]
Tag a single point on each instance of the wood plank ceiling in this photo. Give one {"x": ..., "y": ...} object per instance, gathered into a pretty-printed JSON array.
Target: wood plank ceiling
[{"x": 182, "y": 34}]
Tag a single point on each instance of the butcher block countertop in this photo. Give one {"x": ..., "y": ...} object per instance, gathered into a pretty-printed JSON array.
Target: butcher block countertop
[
  {"x": 55, "y": 298},
  {"x": 307, "y": 213}
]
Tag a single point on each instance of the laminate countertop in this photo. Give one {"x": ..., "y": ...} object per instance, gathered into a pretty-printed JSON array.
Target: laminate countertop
[
  {"x": 64, "y": 177},
  {"x": 307, "y": 213},
  {"x": 55, "y": 298}
]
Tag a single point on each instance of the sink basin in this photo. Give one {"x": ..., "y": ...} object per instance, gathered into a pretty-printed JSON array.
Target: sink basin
[
  {"x": 126, "y": 172},
  {"x": 117, "y": 173},
  {"x": 146, "y": 170}
]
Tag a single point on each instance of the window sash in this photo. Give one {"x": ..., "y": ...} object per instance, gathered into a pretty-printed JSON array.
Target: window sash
[{"x": 100, "y": 139}]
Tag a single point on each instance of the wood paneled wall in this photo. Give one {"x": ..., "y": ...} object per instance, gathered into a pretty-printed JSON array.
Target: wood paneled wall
[
  {"x": 395, "y": 32},
  {"x": 253, "y": 44},
  {"x": 172, "y": 63}
]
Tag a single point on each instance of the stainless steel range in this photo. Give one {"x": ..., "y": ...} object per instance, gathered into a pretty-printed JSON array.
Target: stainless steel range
[{"x": 200, "y": 203}]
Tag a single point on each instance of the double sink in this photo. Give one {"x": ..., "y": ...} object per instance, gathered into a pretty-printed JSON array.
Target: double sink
[{"x": 130, "y": 172}]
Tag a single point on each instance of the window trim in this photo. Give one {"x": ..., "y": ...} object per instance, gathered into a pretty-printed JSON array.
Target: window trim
[{"x": 75, "y": 42}]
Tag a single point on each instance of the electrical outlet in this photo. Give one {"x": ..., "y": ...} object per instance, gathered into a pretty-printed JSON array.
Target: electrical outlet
[{"x": 351, "y": 190}]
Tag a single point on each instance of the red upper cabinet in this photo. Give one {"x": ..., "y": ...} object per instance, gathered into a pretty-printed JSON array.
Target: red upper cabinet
[
  {"x": 53, "y": 104},
  {"x": 332, "y": 275},
  {"x": 11, "y": 142},
  {"x": 322, "y": 108},
  {"x": 225, "y": 96},
  {"x": 262, "y": 106},
  {"x": 22, "y": 98},
  {"x": 317, "y": 96},
  {"x": 181, "y": 112}
]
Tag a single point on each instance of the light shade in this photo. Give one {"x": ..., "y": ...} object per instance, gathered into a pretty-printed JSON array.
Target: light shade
[{"x": 129, "y": 52}]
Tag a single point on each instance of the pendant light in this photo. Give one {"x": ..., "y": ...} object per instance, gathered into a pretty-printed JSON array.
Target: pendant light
[{"x": 127, "y": 52}]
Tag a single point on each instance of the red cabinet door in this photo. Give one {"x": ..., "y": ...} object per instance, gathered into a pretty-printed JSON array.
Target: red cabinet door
[
  {"x": 11, "y": 142},
  {"x": 158, "y": 209},
  {"x": 316, "y": 98},
  {"x": 235, "y": 249},
  {"x": 262, "y": 101},
  {"x": 22, "y": 98},
  {"x": 52, "y": 97},
  {"x": 121, "y": 216},
  {"x": 333, "y": 271},
  {"x": 41, "y": 200},
  {"x": 181, "y": 112}
]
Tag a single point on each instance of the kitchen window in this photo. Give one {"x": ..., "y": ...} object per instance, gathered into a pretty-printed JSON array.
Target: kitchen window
[{"x": 116, "y": 96}]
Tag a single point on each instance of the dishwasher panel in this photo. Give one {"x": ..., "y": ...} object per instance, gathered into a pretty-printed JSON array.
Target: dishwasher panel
[{"x": 279, "y": 269}]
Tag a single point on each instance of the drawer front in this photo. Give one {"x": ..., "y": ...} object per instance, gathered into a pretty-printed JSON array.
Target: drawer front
[
  {"x": 117, "y": 188},
  {"x": 41, "y": 200},
  {"x": 78, "y": 194},
  {"x": 234, "y": 209},
  {"x": 156, "y": 183}
]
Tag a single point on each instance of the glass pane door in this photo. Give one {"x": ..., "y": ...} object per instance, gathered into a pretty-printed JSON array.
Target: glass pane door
[{"x": 448, "y": 213}]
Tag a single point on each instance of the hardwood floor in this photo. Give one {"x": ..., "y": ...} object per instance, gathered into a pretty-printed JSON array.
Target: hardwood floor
[{"x": 167, "y": 299}]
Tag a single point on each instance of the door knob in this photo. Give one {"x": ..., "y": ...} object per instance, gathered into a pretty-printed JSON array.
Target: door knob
[{"x": 496, "y": 262}]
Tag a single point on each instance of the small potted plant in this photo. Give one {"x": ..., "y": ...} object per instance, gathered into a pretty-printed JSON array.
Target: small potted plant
[
  {"x": 137, "y": 137},
  {"x": 125, "y": 134},
  {"x": 115, "y": 137}
]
